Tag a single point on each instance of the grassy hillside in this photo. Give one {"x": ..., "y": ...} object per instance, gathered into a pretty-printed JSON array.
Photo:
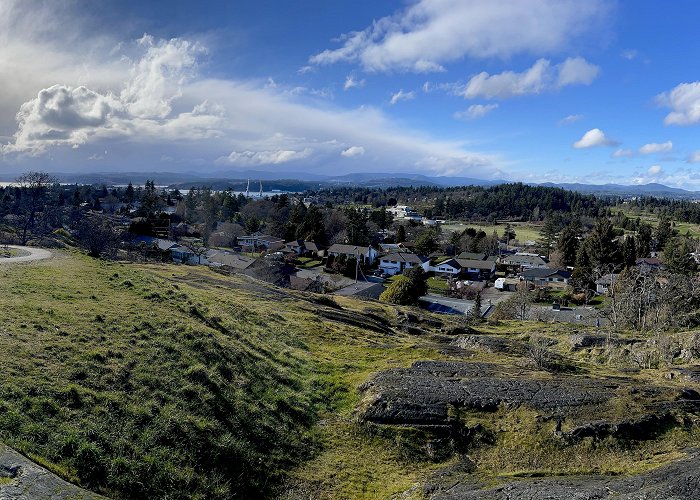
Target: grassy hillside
[{"x": 174, "y": 381}]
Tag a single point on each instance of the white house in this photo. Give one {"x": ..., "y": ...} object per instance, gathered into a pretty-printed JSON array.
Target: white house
[
  {"x": 183, "y": 255},
  {"x": 404, "y": 212},
  {"x": 525, "y": 261},
  {"x": 396, "y": 263},
  {"x": 261, "y": 241},
  {"x": 366, "y": 254},
  {"x": 449, "y": 267},
  {"x": 543, "y": 276}
]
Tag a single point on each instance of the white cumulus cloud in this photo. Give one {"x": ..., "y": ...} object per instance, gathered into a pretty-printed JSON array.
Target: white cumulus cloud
[
  {"x": 352, "y": 82},
  {"x": 430, "y": 33},
  {"x": 655, "y": 147},
  {"x": 570, "y": 119},
  {"x": 540, "y": 77},
  {"x": 402, "y": 96},
  {"x": 475, "y": 111},
  {"x": 594, "y": 138},
  {"x": 250, "y": 158},
  {"x": 353, "y": 151},
  {"x": 623, "y": 153},
  {"x": 66, "y": 115},
  {"x": 654, "y": 170},
  {"x": 684, "y": 102},
  {"x": 576, "y": 71}
]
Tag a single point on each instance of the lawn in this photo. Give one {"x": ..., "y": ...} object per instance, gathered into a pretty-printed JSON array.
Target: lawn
[
  {"x": 438, "y": 285},
  {"x": 307, "y": 262},
  {"x": 524, "y": 231}
]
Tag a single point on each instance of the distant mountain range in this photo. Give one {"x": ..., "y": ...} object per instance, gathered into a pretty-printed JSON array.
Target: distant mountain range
[{"x": 301, "y": 181}]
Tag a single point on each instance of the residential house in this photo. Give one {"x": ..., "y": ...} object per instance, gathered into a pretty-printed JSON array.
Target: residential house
[
  {"x": 397, "y": 263},
  {"x": 404, "y": 212},
  {"x": 521, "y": 261},
  {"x": 366, "y": 255},
  {"x": 302, "y": 248},
  {"x": 477, "y": 269},
  {"x": 392, "y": 247},
  {"x": 231, "y": 260},
  {"x": 264, "y": 241},
  {"x": 605, "y": 282},
  {"x": 544, "y": 276},
  {"x": 449, "y": 267},
  {"x": 184, "y": 255}
]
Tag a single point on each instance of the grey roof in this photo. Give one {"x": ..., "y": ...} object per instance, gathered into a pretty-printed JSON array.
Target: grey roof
[
  {"x": 405, "y": 257},
  {"x": 543, "y": 272},
  {"x": 348, "y": 249},
  {"x": 476, "y": 264},
  {"x": 232, "y": 260},
  {"x": 529, "y": 259},
  {"x": 450, "y": 262},
  {"x": 311, "y": 246}
]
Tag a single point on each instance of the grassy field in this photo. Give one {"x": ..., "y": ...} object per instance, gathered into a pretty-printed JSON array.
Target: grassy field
[
  {"x": 156, "y": 381},
  {"x": 523, "y": 231},
  {"x": 651, "y": 219}
]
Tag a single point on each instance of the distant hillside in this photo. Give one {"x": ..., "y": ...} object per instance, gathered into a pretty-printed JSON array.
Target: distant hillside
[
  {"x": 302, "y": 181},
  {"x": 652, "y": 189}
]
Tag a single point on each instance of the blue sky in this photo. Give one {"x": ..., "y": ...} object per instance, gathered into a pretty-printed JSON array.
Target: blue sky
[{"x": 532, "y": 90}]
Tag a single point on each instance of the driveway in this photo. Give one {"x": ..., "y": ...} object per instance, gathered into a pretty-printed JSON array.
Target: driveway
[{"x": 32, "y": 255}]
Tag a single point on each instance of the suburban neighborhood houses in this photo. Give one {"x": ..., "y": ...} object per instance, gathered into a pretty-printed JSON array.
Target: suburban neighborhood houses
[{"x": 441, "y": 251}]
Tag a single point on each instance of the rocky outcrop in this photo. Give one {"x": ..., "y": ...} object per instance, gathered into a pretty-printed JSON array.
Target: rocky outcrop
[
  {"x": 679, "y": 480},
  {"x": 20, "y": 478},
  {"x": 432, "y": 396}
]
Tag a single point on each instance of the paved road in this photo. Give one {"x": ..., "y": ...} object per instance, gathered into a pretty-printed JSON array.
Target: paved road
[
  {"x": 34, "y": 254},
  {"x": 439, "y": 303}
]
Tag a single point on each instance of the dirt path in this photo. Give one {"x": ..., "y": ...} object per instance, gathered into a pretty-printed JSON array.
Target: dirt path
[{"x": 34, "y": 254}]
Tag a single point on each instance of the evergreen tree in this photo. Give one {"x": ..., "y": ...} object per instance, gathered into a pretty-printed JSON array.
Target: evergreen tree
[
  {"x": 508, "y": 233},
  {"x": 474, "y": 315},
  {"x": 568, "y": 245},
  {"x": 426, "y": 243},
  {"x": 643, "y": 239},
  {"x": 548, "y": 233},
  {"x": 663, "y": 233},
  {"x": 400, "y": 234},
  {"x": 601, "y": 245},
  {"x": 582, "y": 277},
  {"x": 676, "y": 256}
]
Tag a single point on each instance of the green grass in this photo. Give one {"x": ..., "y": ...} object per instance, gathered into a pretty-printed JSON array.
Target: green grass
[
  {"x": 157, "y": 381},
  {"x": 307, "y": 262},
  {"x": 162, "y": 380},
  {"x": 438, "y": 285},
  {"x": 137, "y": 386},
  {"x": 524, "y": 231}
]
